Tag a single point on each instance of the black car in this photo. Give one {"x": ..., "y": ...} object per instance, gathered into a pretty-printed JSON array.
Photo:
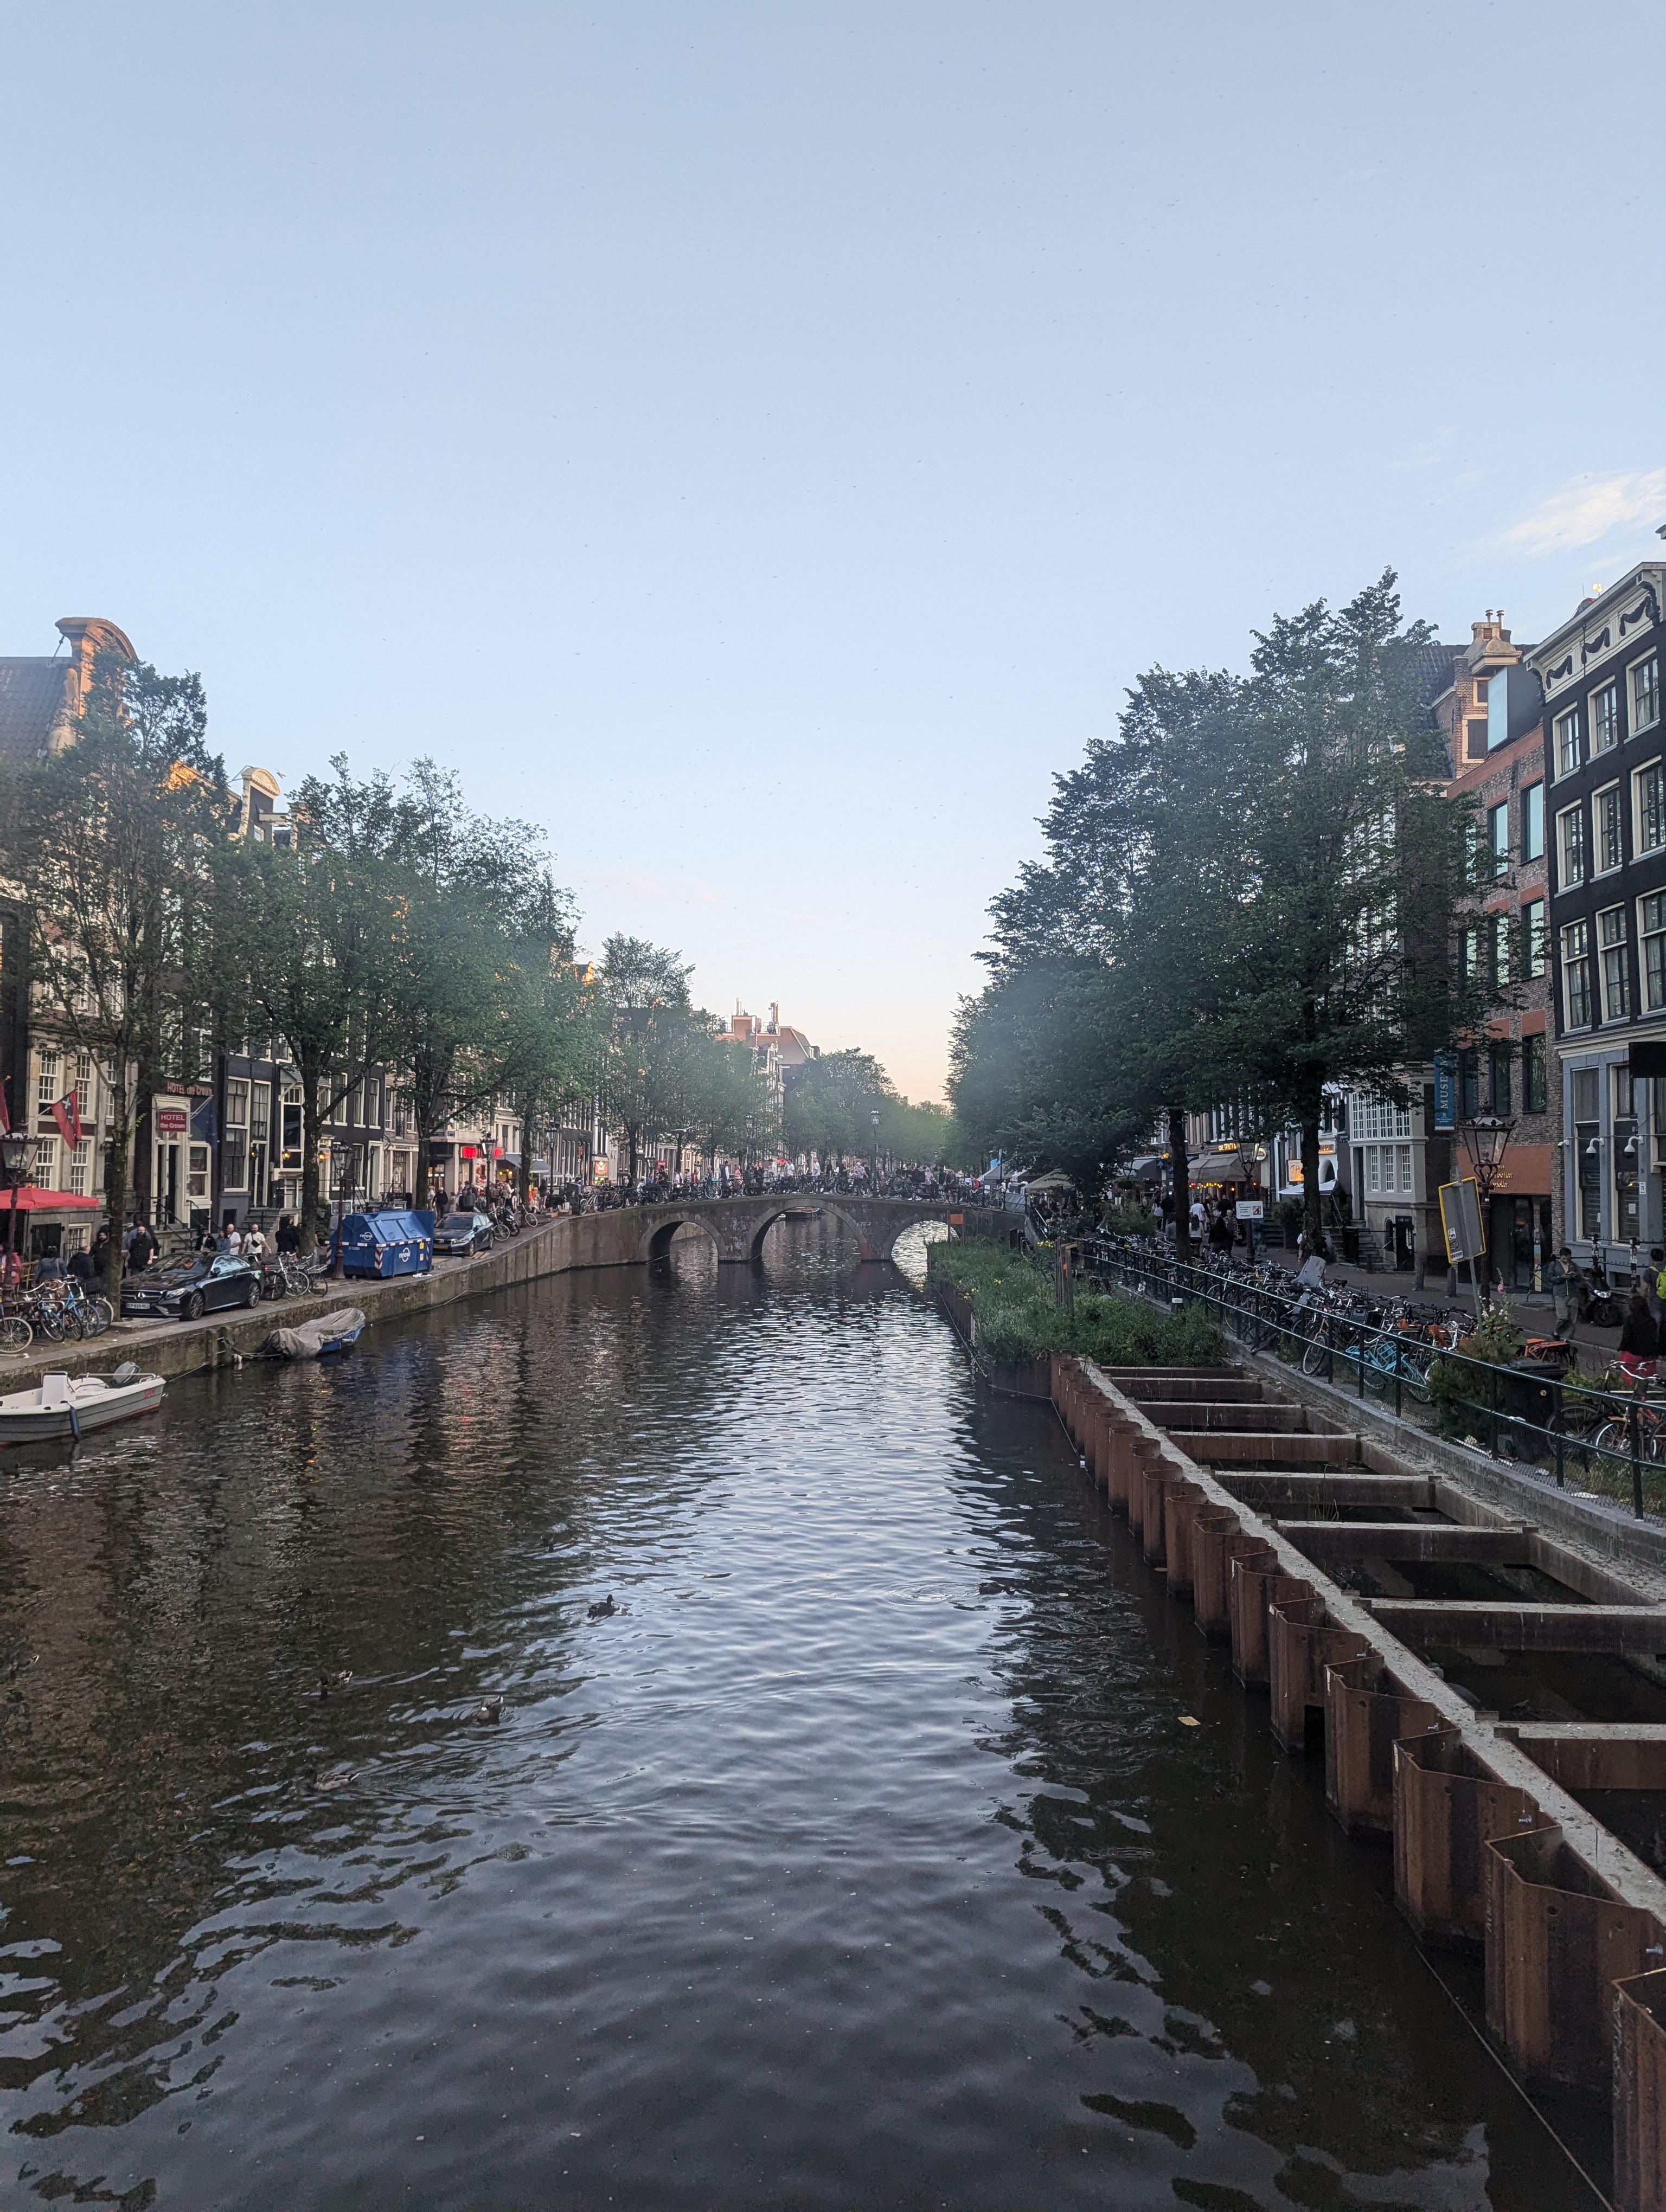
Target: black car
[
  {"x": 212, "y": 1281},
  {"x": 460, "y": 1234}
]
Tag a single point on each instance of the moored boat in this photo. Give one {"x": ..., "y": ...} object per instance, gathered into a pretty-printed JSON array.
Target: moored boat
[
  {"x": 70, "y": 1405},
  {"x": 336, "y": 1330}
]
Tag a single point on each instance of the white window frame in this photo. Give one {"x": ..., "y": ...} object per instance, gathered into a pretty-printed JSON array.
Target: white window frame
[
  {"x": 1605, "y": 694},
  {"x": 1535, "y": 937},
  {"x": 1608, "y": 803},
  {"x": 1574, "y": 951},
  {"x": 1568, "y": 759},
  {"x": 1614, "y": 975},
  {"x": 1533, "y": 815},
  {"x": 1645, "y": 706},
  {"x": 48, "y": 1074},
  {"x": 1651, "y": 951},
  {"x": 1641, "y": 842},
  {"x": 1571, "y": 817},
  {"x": 1498, "y": 817}
]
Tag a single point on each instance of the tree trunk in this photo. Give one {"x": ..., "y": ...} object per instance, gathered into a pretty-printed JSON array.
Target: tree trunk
[
  {"x": 311, "y": 1125},
  {"x": 1313, "y": 1228},
  {"x": 1180, "y": 1183},
  {"x": 524, "y": 1180},
  {"x": 115, "y": 1185}
]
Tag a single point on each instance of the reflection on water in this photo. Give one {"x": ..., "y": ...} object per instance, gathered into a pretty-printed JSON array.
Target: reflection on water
[{"x": 859, "y": 1859}]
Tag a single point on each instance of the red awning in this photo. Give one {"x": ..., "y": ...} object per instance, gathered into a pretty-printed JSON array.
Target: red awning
[{"x": 32, "y": 1200}]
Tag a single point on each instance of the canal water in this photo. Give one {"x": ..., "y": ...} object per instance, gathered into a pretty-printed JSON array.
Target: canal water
[{"x": 866, "y": 1855}]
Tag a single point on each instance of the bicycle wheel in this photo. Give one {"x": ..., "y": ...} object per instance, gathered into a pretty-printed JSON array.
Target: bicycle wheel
[
  {"x": 1313, "y": 1352},
  {"x": 100, "y": 1315},
  {"x": 51, "y": 1321},
  {"x": 15, "y": 1334},
  {"x": 1614, "y": 1436}
]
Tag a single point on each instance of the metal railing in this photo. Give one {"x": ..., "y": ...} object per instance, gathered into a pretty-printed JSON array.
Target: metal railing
[{"x": 1616, "y": 1438}]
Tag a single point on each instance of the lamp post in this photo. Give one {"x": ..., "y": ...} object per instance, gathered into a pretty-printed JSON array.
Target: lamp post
[
  {"x": 873, "y": 1156},
  {"x": 1486, "y": 1139},
  {"x": 17, "y": 1152}
]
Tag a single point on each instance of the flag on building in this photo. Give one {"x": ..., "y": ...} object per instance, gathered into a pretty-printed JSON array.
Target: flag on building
[{"x": 66, "y": 1112}]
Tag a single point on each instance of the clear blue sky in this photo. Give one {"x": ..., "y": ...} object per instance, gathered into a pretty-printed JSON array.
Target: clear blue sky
[{"x": 762, "y": 442}]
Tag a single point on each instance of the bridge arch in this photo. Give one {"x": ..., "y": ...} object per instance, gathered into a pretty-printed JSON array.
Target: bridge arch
[
  {"x": 658, "y": 1238},
  {"x": 847, "y": 1221}
]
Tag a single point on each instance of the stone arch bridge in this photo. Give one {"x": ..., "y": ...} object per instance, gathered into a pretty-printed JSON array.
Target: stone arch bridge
[{"x": 738, "y": 1226}]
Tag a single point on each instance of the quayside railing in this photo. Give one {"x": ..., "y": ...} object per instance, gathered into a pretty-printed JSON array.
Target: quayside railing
[{"x": 1549, "y": 1417}]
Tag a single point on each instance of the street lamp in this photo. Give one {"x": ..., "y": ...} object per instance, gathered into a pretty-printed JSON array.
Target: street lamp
[
  {"x": 16, "y": 1155},
  {"x": 874, "y": 1156},
  {"x": 1486, "y": 1139}
]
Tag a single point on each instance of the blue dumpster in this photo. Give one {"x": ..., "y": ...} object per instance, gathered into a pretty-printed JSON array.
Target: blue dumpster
[{"x": 387, "y": 1243}]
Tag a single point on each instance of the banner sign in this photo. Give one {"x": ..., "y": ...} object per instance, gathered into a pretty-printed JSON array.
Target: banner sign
[
  {"x": 1248, "y": 1209},
  {"x": 1446, "y": 1090}
]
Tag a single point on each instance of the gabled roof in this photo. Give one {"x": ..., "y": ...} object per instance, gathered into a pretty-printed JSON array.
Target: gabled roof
[{"x": 32, "y": 689}]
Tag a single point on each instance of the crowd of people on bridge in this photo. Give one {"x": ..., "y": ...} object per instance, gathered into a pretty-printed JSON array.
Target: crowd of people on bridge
[{"x": 925, "y": 1185}]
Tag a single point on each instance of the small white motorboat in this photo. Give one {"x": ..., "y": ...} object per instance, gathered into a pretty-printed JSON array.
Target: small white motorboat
[{"x": 68, "y": 1406}]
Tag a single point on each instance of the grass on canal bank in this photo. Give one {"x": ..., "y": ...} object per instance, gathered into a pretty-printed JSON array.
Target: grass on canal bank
[{"x": 1018, "y": 1319}]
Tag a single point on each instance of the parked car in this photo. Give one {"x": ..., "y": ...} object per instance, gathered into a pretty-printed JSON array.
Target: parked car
[
  {"x": 460, "y": 1234},
  {"x": 207, "y": 1283}
]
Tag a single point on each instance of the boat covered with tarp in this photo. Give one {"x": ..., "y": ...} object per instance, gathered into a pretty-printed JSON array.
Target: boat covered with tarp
[{"x": 326, "y": 1332}]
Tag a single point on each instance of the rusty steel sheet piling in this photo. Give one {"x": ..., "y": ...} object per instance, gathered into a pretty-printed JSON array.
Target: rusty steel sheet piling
[
  {"x": 1489, "y": 1845},
  {"x": 1447, "y": 1805}
]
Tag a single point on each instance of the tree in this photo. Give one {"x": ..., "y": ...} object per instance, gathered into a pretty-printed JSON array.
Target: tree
[
  {"x": 542, "y": 1049},
  {"x": 467, "y": 888},
  {"x": 316, "y": 927},
  {"x": 832, "y": 1107},
  {"x": 1112, "y": 957},
  {"x": 1346, "y": 960},
  {"x": 120, "y": 844},
  {"x": 1250, "y": 897},
  {"x": 642, "y": 993}
]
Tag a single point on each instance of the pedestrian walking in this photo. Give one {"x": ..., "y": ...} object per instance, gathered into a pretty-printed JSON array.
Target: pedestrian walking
[
  {"x": 141, "y": 1248},
  {"x": 1564, "y": 1278},
  {"x": 288, "y": 1237},
  {"x": 1654, "y": 1283}
]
